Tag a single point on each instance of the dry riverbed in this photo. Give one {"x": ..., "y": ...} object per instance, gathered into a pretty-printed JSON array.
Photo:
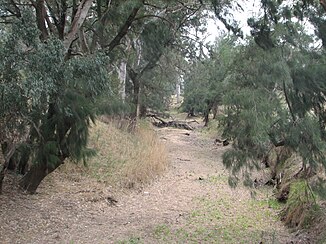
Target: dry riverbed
[{"x": 191, "y": 203}]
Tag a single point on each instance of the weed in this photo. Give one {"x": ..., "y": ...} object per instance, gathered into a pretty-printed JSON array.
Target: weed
[
  {"x": 162, "y": 232},
  {"x": 218, "y": 179},
  {"x": 270, "y": 203},
  {"x": 131, "y": 240},
  {"x": 274, "y": 204}
]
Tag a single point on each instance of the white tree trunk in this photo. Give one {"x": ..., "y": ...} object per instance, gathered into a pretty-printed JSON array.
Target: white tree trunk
[
  {"x": 122, "y": 73},
  {"x": 178, "y": 91},
  {"x": 77, "y": 22}
]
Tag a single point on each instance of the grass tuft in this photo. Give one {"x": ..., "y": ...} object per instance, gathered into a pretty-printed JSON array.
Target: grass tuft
[
  {"x": 123, "y": 158},
  {"x": 301, "y": 207}
]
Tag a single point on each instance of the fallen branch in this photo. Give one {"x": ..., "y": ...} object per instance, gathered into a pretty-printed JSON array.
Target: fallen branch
[{"x": 159, "y": 122}]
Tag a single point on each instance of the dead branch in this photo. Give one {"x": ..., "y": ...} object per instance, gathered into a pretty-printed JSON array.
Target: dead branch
[{"x": 159, "y": 122}]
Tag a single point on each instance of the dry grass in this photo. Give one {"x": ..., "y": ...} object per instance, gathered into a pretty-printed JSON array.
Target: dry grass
[{"x": 125, "y": 159}]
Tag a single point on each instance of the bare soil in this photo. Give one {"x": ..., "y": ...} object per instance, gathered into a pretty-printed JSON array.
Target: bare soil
[{"x": 191, "y": 203}]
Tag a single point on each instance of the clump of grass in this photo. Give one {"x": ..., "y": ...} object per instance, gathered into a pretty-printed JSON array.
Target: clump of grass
[
  {"x": 131, "y": 240},
  {"x": 213, "y": 130},
  {"x": 162, "y": 231},
  {"x": 301, "y": 205},
  {"x": 125, "y": 159}
]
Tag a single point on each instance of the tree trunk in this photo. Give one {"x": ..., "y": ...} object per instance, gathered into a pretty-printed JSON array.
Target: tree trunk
[
  {"x": 136, "y": 99},
  {"x": 207, "y": 111},
  {"x": 9, "y": 151},
  {"x": 191, "y": 113},
  {"x": 83, "y": 41},
  {"x": 323, "y": 4},
  {"x": 134, "y": 77},
  {"x": 41, "y": 18},
  {"x": 206, "y": 118},
  {"x": 143, "y": 111},
  {"x": 178, "y": 91},
  {"x": 23, "y": 163},
  {"x": 77, "y": 22},
  {"x": 122, "y": 77},
  {"x": 215, "y": 111},
  {"x": 124, "y": 29},
  {"x": 32, "y": 179}
]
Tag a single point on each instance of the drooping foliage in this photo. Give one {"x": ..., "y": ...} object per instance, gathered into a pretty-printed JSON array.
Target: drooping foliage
[
  {"x": 273, "y": 90},
  {"x": 47, "y": 102},
  {"x": 282, "y": 101},
  {"x": 204, "y": 82}
]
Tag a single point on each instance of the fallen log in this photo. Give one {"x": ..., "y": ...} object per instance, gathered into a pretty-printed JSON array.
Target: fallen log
[
  {"x": 223, "y": 142},
  {"x": 159, "y": 122}
]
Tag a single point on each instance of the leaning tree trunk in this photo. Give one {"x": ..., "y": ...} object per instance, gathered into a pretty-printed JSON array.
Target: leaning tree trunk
[
  {"x": 32, "y": 179},
  {"x": 9, "y": 150},
  {"x": 23, "y": 162}
]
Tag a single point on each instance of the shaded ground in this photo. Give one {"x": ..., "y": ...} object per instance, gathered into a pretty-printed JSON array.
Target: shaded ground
[{"x": 191, "y": 203}]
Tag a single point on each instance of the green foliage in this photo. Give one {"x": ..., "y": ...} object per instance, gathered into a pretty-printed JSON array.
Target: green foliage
[
  {"x": 159, "y": 83},
  {"x": 271, "y": 88},
  {"x": 131, "y": 240},
  {"x": 319, "y": 187},
  {"x": 51, "y": 96},
  {"x": 253, "y": 103},
  {"x": 204, "y": 83},
  {"x": 196, "y": 88},
  {"x": 155, "y": 37}
]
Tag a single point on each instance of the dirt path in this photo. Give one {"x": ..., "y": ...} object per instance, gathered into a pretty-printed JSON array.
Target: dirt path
[{"x": 191, "y": 203}]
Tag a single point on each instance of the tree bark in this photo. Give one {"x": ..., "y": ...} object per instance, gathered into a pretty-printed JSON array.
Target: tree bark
[
  {"x": 77, "y": 22},
  {"x": 8, "y": 152},
  {"x": 83, "y": 41},
  {"x": 136, "y": 84},
  {"x": 32, "y": 179},
  {"x": 323, "y": 4},
  {"x": 122, "y": 73},
  {"x": 178, "y": 90},
  {"x": 124, "y": 29},
  {"x": 207, "y": 112},
  {"x": 206, "y": 117},
  {"x": 41, "y": 18}
]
